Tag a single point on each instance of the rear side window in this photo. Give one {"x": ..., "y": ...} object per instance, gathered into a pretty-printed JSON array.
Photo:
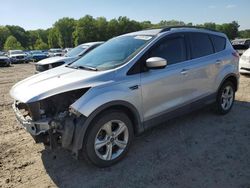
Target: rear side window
[
  {"x": 171, "y": 49},
  {"x": 201, "y": 45},
  {"x": 218, "y": 42}
]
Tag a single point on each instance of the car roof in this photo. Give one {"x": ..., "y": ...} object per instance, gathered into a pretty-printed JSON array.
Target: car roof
[
  {"x": 15, "y": 50},
  {"x": 155, "y": 32},
  {"x": 55, "y": 49},
  {"x": 240, "y": 40},
  {"x": 91, "y": 43}
]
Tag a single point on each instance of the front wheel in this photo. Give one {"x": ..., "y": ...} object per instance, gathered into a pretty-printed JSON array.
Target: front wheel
[
  {"x": 108, "y": 139},
  {"x": 225, "y": 98}
]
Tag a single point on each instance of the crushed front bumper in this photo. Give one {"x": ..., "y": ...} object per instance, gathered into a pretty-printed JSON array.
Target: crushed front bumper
[{"x": 33, "y": 127}]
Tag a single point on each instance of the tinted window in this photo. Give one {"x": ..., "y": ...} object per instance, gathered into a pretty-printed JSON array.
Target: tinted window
[
  {"x": 172, "y": 49},
  {"x": 240, "y": 47},
  {"x": 218, "y": 42},
  {"x": 201, "y": 45}
]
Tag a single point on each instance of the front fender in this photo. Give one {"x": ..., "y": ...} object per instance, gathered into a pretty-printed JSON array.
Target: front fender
[{"x": 100, "y": 96}]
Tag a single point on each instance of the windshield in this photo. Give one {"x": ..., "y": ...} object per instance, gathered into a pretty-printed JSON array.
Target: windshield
[
  {"x": 76, "y": 51},
  {"x": 16, "y": 52},
  {"x": 113, "y": 53}
]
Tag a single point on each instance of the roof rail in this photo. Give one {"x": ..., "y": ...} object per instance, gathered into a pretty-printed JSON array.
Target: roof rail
[{"x": 185, "y": 26}]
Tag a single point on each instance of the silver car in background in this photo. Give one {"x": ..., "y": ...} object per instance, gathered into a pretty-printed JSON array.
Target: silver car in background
[
  {"x": 96, "y": 105},
  {"x": 69, "y": 57}
]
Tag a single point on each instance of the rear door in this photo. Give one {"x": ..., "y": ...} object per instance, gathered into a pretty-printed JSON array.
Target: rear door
[{"x": 202, "y": 68}]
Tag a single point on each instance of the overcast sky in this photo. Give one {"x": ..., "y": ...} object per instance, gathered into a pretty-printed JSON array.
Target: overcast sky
[{"x": 35, "y": 14}]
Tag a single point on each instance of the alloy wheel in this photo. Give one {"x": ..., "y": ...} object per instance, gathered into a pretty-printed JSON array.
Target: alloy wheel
[{"x": 111, "y": 140}]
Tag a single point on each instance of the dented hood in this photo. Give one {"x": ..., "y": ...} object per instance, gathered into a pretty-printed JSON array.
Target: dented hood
[{"x": 56, "y": 81}]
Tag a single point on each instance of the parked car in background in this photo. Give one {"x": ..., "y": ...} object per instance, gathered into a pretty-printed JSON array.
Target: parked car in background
[
  {"x": 46, "y": 52},
  {"x": 2, "y": 53},
  {"x": 241, "y": 41},
  {"x": 66, "y": 50},
  {"x": 96, "y": 105},
  {"x": 240, "y": 48},
  {"x": 37, "y": 55},
  {"x": 241, "y": 45},
  {"x": 4, "y": 60},
  {"x": 18, "y": 56},
  {"x": 244, "y": 65},
  {"x": 55, "y": 52},
  {"x": 69, "y": 57}
]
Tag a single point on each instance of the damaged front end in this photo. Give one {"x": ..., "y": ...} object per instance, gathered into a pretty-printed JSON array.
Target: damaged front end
[{"x": 51, "y": 121}]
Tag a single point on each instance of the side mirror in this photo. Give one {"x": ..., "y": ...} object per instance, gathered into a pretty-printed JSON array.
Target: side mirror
[{"x": 156, "y": 63}]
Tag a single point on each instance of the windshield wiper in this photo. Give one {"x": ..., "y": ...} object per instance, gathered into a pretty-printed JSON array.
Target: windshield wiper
[{"x": 84, "y": 67}]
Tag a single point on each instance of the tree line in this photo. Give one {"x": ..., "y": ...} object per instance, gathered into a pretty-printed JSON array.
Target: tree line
[{"x": 68, "y": 32}]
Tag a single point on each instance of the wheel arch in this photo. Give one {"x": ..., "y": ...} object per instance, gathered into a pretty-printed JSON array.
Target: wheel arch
[
  {"x": 123, "y": 106},
  {"x": 232, "y": 78},
  {"x": 129, "y": 109}
]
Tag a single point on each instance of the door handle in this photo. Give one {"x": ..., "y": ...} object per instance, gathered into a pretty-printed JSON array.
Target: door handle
[
  {"x": 134, "y": 87},
  {"x": 218, "y": 62},
  {"x": 184, "y": 71}
]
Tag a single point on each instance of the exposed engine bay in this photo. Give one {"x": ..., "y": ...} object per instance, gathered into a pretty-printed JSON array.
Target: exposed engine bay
[{"x": 51, "y": 121}]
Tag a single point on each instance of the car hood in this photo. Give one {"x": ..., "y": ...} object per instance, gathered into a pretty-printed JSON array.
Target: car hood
[
  {"x": 56, "y": 81},
  {"x": 55, "y": 60},
  {"x": 3, "y": 57},
  {"x": 246, "y": 53}
]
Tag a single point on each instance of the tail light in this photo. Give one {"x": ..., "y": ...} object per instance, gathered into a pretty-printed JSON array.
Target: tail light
[{"x": 236, "y": 54}]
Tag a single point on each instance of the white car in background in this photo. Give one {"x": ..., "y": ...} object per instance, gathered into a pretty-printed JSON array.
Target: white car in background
[
  {"x": 244, "y": 65},
  {"x": 71, "y": 56},
  {"x": 55, "y": 52},
  {"x": 18, "y": 56}
]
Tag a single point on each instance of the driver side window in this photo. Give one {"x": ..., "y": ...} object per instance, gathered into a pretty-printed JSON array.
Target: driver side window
[{"x": 171, "y": 49}]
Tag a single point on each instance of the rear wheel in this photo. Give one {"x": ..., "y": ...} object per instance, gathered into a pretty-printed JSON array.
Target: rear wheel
[
  {"x": 225, "y": 98},
  {"x": 108, "y": 139}
]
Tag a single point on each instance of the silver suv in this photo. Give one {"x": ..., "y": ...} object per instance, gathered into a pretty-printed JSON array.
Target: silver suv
[{"x": 96, "y": 105}]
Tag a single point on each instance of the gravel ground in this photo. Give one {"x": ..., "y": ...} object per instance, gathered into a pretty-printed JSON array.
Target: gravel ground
[{"x": 197, "y": 150}]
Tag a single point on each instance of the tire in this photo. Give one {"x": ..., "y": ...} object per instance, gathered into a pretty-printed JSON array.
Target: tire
[
  {"x": 100, "y": 139},
  {"x": 225, "y": 98}
]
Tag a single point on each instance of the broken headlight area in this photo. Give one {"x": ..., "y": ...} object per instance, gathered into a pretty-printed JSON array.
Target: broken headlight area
[{"x": 51, "y": 120}]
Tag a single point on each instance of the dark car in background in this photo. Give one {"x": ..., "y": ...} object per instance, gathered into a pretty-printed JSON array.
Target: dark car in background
[
  {"x": 4, "y": 60},
  {"x": 37, "y": 55}
]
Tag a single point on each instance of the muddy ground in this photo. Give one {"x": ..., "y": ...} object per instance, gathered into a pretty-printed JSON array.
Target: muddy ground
[{"x": 197, "y": 150}]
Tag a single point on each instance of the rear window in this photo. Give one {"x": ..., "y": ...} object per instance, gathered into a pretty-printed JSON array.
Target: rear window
[
  {"x": 218, "y": 42},
  {"x": 240, "y": 47},
  {"x": 201, "y": 45}
]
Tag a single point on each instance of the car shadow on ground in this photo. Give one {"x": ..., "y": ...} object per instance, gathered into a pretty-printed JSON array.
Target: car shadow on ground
[
  {"x": 1, "y": 66},
  {"x": 200, "y": 149}
]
